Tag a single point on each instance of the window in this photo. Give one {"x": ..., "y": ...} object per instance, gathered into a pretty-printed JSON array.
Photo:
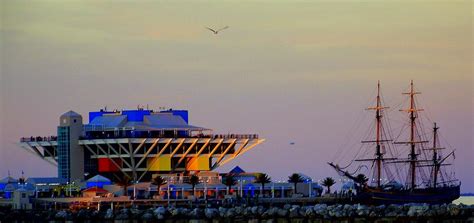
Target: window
[
  {"x": 23, "y": 195},
  {"x": 75, "y": 120}
]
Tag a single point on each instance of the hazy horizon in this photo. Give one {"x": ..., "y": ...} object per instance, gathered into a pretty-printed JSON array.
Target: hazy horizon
[{"x": 298, "y": 72}]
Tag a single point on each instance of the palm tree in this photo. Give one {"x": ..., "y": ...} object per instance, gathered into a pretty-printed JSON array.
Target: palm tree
[
  {"x": 124, "y": 182},
  {"x": 361, "y": 180},
  {"x": 158, "y": 181},
  {"x": 328, "y": 182},
  {"x": 193, "y": 180},
  {"x": 262, "y": 179},
  {"x": 229, "y": 182},
  {"x": 295, "y": 179}
]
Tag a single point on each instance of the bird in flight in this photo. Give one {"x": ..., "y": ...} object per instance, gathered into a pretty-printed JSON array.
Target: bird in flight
[{"x": 218, "y": 30}]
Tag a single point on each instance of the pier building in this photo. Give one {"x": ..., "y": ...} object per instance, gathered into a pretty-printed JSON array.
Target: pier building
[{"x": 135, "y": 143}]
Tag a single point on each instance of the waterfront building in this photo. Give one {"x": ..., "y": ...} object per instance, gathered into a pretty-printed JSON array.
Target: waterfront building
[
  {"x": 17, "y": 194},
  {"x": 136, "y": 144},
  {"x": 97, "y": 181},
  {"x": 45, "y": 186}
]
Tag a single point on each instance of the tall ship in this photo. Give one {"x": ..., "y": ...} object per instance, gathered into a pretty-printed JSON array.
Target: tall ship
[{"x": 411, "y": 167}]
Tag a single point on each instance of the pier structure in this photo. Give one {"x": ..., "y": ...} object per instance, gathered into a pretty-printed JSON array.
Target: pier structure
[{"x": 137, "y": 144}]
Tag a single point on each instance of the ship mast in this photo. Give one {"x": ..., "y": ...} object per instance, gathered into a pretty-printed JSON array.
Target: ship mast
[
  {"x": 378, "y": 153},
  {"x": 413, "y": 115},
  {"x": 435, "y": 155},
  {"x": 378, "y": 137},
  {"x": 437, "y": 162}
]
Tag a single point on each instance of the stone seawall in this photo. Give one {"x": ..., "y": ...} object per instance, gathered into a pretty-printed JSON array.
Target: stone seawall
[{"x": 288, "y": 214}]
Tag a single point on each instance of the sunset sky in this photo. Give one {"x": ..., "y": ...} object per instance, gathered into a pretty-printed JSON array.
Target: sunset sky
[{"x": 291, "y": 71}]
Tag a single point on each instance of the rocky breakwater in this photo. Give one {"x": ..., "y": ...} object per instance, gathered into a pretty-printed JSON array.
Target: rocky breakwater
[{"x": 287, "y": 213}]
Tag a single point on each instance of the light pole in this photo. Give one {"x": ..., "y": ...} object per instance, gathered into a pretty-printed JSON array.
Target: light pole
[
  {"x": 168, "y": 192},
  {"x": 134, "y": 190},
  {"x": 273, "y": 189},
  {"x": 241, "y": 192},
  {"x": 205, "y": 189},
  {"x": 68, "y": 189},
  {"x": 310, "y": 188}
]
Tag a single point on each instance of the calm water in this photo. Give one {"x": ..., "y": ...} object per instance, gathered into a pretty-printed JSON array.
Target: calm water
[{"x": 465, "y": 200}]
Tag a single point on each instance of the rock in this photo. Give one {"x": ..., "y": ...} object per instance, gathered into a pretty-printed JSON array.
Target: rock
[
  {"x": 109, "y": 214},
  {"x": 417, "y": 210},
  {"x": 362, "y": 210},
  {"x": 196, "y": 213},
  {"x": 238, "y": 210},
  {"x": 61, "y": 214},
  {"x": 211, "y": 213},
  {"x": 282, "y": 212},
  {"x": 135, "y": 212},
  {"x": 83, "y": 214},
  {"x": 160, "y": 212},
  {"x": 320, "y": 209},
  {"x": 175, "y": 212},
  {"x": 254, "y": 210},
  {"x": 222, "y": 211},
  {"x": 246, "y": 212},
  {"x": 230, "y": 213},
  {"x": 309, "y": 213},
  {"x": 294, "y": 211},
  {"x": 453, "y": 209},
  {"x": 147, "y": 216},
  {"x": 123, "y": 214},
  {"x": 270, "y": 212},
  {"x": 392, "y": 211}
]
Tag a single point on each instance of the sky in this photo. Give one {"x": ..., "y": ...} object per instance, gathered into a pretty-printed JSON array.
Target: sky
[{"x": 290, "y": 71}]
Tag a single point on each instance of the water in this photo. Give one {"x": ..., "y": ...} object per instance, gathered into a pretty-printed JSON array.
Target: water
[{"x": 469, "y": 200}]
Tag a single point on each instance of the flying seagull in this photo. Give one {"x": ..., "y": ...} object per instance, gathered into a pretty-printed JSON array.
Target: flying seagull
[{"x": 217, "y": 31}]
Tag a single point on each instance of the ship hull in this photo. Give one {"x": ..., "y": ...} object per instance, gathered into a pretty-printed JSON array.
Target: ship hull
[{"x": 439, "y": 195}]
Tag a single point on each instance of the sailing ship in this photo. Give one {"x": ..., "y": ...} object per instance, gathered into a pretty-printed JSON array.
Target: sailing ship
[{"x": 422, "y": 175}]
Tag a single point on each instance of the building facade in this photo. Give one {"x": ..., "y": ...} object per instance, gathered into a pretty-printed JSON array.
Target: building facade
[{"x": 135, "y": 143}]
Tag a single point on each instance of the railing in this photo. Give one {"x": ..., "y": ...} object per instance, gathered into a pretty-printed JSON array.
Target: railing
[
  {"x": 222, "y": 136},
  {"x": 39, "y": 139},
  {"x": 228, "y": 136},
  {"x": 185, "y": 179},
  {"x": 213, "y": 136}
]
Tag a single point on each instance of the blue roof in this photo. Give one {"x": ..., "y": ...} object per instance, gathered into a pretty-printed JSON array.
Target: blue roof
[
  {"x": 167, "y": 121},
  {"x": 110, "y": 121},
  {"x": 71, "y": 114},
  {"x": 46, "y": 180},
  {"x": 15, "y": 186},
  {"x": 98, "y": 178},
  {"x": 8, "y": 180},
  {"x": 145, "y": 120},
  {"x": 237, "y": 170}
]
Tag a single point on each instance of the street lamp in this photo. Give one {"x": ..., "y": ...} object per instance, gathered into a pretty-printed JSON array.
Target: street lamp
[
  {"x": 168, "y": 192},
  {"x": 135, "y": 190}
]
